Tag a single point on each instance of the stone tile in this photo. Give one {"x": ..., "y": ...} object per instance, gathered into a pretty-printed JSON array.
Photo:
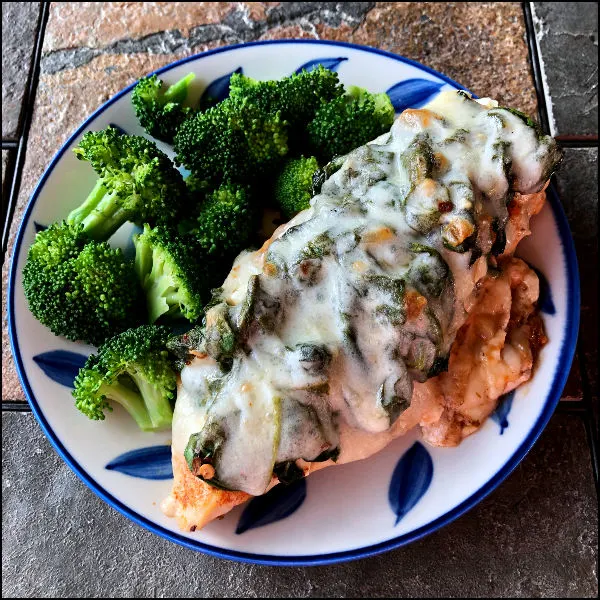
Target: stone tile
[
  {"x": 578, "y": 188},
  {"x": 7, "y": 170},
  {"x": 480, "y": 45},
  {"x": 19, "y": 28},
  {"x": 568, "y": 41},
  {"x": 536, "y": 535},
  {"x": 131, "y": 20},
  {"x": 5, "y": 159}
]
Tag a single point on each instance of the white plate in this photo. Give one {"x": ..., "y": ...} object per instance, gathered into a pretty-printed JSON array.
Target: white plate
[{"x": 337, "y": 514}]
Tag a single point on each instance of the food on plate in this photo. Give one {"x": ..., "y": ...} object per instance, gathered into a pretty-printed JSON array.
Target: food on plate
[
  {"x": 80, "y": 288},
  {"x": 294, "y": 185},
  {"x": 161, "y": 111},
  {"x": 136, "y": 182},
  {"x": 392, "y": 302},
  {"x": 134, "y": 370},
  {"x": 357, "y": 115},
  {"x": 384, "y": 294}
]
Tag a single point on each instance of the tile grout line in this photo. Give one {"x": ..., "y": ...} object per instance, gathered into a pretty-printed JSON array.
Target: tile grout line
[
  {"x": 27, "y": 116},
  {"x": 15, "y": 406},
  {"x": 534, "y": 61}
]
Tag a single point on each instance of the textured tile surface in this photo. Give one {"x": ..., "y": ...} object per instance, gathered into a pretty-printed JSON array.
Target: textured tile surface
[
  {"x": 19, "y": 27},
  {"x": 7, "y": 162},
  {"x": 568, "y": 40},
  {"x": 578, "y": 188},
  {"x": 4, "y": 165},
  {"x": 535, "y": 536},
  {"x": 92, "y": 50}
]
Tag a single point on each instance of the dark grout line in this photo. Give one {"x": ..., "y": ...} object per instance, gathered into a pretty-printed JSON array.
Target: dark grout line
[
  {"x": 28, "y": 112},
  {"x": 535, "y": 67},
  {"x": 571, "y": 407},
  {"x": 577, "y": 142},
  {"x": 9, "y": 144},
  {"x": 15, "y": 406}
]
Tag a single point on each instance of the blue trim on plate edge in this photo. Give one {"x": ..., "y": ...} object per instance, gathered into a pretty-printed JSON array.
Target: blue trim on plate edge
[{"x": 566, "y": 356}]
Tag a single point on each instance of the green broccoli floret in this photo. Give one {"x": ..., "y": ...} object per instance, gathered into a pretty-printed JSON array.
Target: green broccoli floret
[
  {"x": 160, "y": 111},
  {"x": 173, "y": 272},
  {"x": 137, "y": 183},
  {"x": 226, "y": 221},
  {"x": 294, "y": 184},
  {"x": 134, "y": 370},
  {"x": 349, "y": 122},
  {"x": 231, "y": 142},
  {"x": 79, "y": 288},
  {"x": 297, "y": 97}
]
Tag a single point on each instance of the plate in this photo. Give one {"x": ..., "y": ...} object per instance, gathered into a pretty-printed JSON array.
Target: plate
[{"x": 399, "y": 495}]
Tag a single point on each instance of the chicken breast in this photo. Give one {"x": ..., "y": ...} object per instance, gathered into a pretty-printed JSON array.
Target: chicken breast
[{"x": 392, "y": 302}]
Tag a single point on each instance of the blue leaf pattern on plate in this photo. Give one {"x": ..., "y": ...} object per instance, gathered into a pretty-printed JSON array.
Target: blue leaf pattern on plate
[
  {"x": 545, "y": 301},
  {"x": 412, "y": 93},
  {"x": 39, "y": 227},
  {"x": 501, "y": 413},
  {"x": 329, "y": 63},
  {"x": 277, "y": 504},
  {"x": 118, "y": 128},
  {"x": 152, "y": 462},
  {"x": 61, "y": 366},
  {"x": 410, "y": 480},
  {"x": 217, "y": 91}
]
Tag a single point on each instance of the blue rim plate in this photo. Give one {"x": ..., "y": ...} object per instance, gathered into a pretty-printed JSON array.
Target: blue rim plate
[{"x": 565, "y": 284}]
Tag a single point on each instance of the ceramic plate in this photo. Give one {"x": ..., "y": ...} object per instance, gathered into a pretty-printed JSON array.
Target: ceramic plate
[{"x": 401, "y": 494}]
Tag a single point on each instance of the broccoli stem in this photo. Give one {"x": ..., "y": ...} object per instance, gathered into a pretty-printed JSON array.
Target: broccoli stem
[
  {"x": 159, "y": 292},
  {"x": 101, "y": 213},
  {"x": 131, "y": 401},
  {"x": 162, "y": 296},
  {"x": 178, "y": 91},
  {"x": 158, "y": 304},
  {"x": 158, "y": 406},
  {"x": 82, "y": 211}
]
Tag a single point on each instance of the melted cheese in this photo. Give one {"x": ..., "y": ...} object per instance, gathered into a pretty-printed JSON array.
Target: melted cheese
[{"x": 324, "y": 337}]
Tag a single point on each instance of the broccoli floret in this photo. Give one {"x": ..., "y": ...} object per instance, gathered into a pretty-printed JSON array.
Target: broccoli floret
[
  {"x": 137, "y": 183},
  {"x": 160, "y": 111},
  {"x": 134, "y": 370},
  {"x": 173, "y": 272},
  {"x": 349, "y": 122},
  {"x": 231, "y": 142},
  {"x": 294, "y": 185},
  {"x": 79, "y": 288},
  {"x": 225, "y": 223},
  {"x": 297, "y": 97}
]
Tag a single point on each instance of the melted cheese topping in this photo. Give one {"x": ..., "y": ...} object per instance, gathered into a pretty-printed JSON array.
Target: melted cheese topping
[{"x": 321, "y": 340}]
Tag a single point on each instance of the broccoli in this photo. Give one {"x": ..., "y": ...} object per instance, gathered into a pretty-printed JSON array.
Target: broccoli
[
  {"x": 79, "y": 288},
  {"x": 159, "y": 111},
  {"x": 137, "y": 183},
  {"x": 134, "y": 370},
  {"x": 297, "y": 97},
  {"x": 348, "y": 122},
  {"x": 231, "y": 142},
  {"x": 173, "y": 272},
  {"x": 294, "y": 185},
  {"x": 226, "y": 221}
]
